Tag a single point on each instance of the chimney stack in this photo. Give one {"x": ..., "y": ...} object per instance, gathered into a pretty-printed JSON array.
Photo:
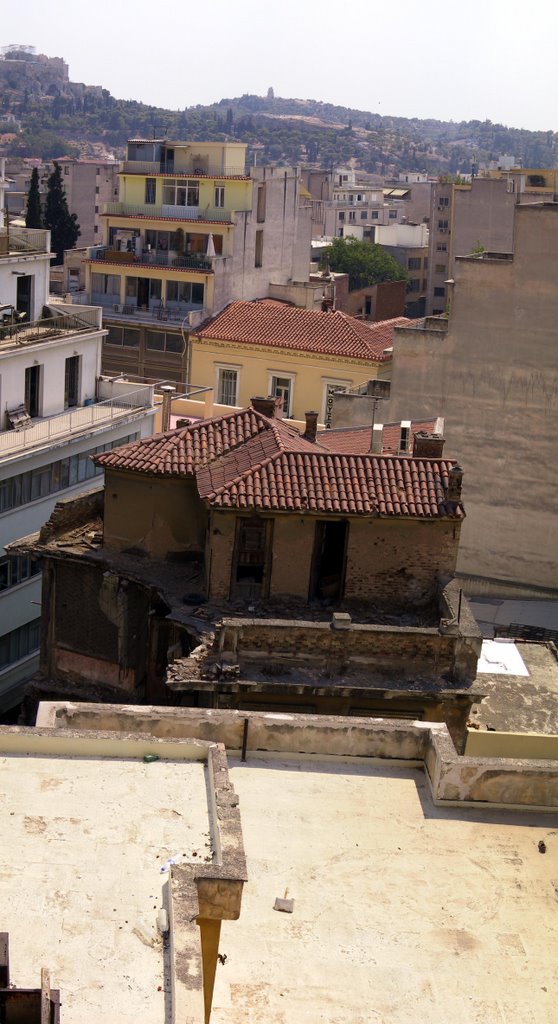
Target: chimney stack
[
  {"x": 427, "y": 446},
  {"x": 311, "y": 426},
  {"x": 455, "y": 480},
  {"x": 271, "y": 406},
  {"x": 377, "y": 445},
  {"x": 168, "y": 392}
]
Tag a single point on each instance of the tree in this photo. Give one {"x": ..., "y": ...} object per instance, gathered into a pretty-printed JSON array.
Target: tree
[
  {"x": 365, "y": 262},
  {"x": 33, "y": 213},
  {"x": 63, "y": 225}
]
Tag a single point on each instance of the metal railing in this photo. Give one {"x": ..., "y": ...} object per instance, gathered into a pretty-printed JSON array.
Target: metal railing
[
  {"x": 188, "y": 213},
  {"x": 206, "y": 170},
  {"x": 75, "y": 420},
  {"x": 50, "y": 327},
  {"x": 158, "y": 259},
  {"x": 26, "y": 239}
]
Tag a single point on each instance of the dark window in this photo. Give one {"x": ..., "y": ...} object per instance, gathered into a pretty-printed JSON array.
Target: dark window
[
  {"x": 150, "y": 190},
  {"x": 413, "y": 263},
  {"x": 440, "y": 292},
  {"x": 32, "y": 389},
  {"x": 71, "y": 382},
  {"x": 20, "y": 643},
  {"x": 258, "y": 259},
  {"x": 16, "y": 569}
]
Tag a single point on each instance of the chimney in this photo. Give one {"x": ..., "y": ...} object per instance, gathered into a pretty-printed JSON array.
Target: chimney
[
  {"x": 427, "y": 446},
  {"x": 168, "y": 392},
  {"x": 377, "y": 445},
  {"x": 311, "y": 426},
  {"x": 455, "y": 480},
  {"x": 271, "y": 406}
]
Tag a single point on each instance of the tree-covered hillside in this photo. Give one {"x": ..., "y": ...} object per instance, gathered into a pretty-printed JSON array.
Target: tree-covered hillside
[{"x": 87, "y": 120}]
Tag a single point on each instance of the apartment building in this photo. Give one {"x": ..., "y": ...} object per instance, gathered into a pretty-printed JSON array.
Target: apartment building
[
  {"x": 343, "y": 206},
  {"x": 408, "y": 244},
  {"x": 192, "y": 230},
  {"x": 56, "y": 413},
  {"x": 491, "y": 371},
  {"x": 465, "y": 218}
]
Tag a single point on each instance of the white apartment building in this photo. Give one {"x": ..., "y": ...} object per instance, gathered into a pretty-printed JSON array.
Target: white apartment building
[{"x": 55, "y": 412}]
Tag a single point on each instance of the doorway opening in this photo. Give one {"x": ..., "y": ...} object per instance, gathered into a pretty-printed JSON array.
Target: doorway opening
[
  {"x": 328, "y": 564},
  {"x": 24, "y": 294},
  {"x": 251, "y": 562},
  {"x": 32, "y": 390}
]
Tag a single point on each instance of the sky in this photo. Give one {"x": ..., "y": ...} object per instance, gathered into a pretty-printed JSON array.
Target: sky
[{"x": 493, "y": 59}]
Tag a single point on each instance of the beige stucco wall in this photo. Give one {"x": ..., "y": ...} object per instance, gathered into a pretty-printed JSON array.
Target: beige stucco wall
[
  {"x": 494, "y": 377},
  {"x": 392, "y": 562},
  {"x": 159, "y": 516}
]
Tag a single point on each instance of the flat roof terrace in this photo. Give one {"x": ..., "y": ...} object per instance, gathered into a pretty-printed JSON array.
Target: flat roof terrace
[
  {"x": 403, "y": 912},
  {"x": 87, "y": 836}
]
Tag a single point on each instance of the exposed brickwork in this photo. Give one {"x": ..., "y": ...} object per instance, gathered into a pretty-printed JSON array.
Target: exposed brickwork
[{"x": 397, "y": 564}]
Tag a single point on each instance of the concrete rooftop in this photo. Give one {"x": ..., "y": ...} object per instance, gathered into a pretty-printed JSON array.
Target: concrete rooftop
[
  {"x": 521, "y": 703},
  {"x": 404, "y": 913},
  {"x": 83, "y": 842}
]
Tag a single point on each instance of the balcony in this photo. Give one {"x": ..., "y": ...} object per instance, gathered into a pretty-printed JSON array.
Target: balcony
[
  {"x": 14, "y": 336},
  {"x": 75, "y": 421},
  {"x": 161, "y": 167},
  {"x": 21, "y": 241},
  {"x": 110, "y": 254},
  {"x": 130, "y": 312},
  {"x": 209, "y": 214}
]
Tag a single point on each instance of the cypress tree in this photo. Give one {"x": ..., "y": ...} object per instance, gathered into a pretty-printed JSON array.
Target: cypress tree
[
  {"x": 33, "y": 213},
  {"x": 63, "y": 225}
]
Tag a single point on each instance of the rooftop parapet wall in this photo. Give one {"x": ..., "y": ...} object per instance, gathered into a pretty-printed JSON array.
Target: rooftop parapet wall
[
  {"x": 454, "y": 780},
  {"x": 448, "y": 652}
]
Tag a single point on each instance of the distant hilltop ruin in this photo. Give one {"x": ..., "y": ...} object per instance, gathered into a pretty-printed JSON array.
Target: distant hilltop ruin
[{"x": 24, "y": 73}]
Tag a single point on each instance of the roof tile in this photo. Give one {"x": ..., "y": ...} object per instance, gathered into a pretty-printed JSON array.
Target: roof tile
[{"x": 277, "y": 325}]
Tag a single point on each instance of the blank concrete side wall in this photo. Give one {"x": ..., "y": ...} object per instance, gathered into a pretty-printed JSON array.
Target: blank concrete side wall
[
  {"x": 397, "y": 562},
  {"x": 494, "y": 377},
  {"x": 159, "y": 516}
]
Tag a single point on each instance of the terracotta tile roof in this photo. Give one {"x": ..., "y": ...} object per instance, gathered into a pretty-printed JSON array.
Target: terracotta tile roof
[
  {"x": 356, "y": 440},
  {"x": 246, "y": 460},
  {"x": 181, "y": 452},
  {"x": 384, "y": 485},
  {"x": 280, "y": 326}
]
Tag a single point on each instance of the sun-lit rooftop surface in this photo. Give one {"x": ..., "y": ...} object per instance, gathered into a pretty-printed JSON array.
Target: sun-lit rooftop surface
[
  {"x": 83, "y": 843},
  {"x": 404, "y": 913}
]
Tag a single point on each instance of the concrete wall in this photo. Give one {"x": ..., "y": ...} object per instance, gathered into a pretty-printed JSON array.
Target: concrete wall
[
  {"x": 160, "y": 517},
  {"x": 494, "y": 377},
  {"x": 453, "y": 779},
  {"x": 35, "y": 266},
  {"x": 527, "y": 746}
]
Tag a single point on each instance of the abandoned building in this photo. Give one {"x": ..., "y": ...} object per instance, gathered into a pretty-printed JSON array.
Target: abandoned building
[{"x": 239, "y": 562}]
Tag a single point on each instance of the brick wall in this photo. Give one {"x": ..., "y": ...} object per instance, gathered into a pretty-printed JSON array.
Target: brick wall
[
  {"x": 397, "y": 563},
  {"x": 71, "y": 513},
  {"x": 393, "y": 563}
]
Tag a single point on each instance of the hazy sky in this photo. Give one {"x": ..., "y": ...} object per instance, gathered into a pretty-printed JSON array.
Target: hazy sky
[{"x": 491, "y": 59}]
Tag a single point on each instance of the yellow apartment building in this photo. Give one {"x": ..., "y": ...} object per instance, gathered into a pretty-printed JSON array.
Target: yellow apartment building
[
  {"x": 300, "y": 355},
  {"x": 192, "y": 230}
]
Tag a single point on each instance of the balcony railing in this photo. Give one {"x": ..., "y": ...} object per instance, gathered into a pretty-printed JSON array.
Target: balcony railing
[
  {"x": 50, "y": 327},
  {"x": 191, "y": 213},
  {"x": 24, "y": 240},
  {"x": 74, "y": 421},
  {"x": 157, "y": 259},
  {"x": 195, "y": 171},
  {"x": 176, "y": 312}
]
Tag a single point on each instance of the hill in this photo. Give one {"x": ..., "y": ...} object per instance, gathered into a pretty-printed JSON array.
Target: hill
[{"x": 54, "y": 116}]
